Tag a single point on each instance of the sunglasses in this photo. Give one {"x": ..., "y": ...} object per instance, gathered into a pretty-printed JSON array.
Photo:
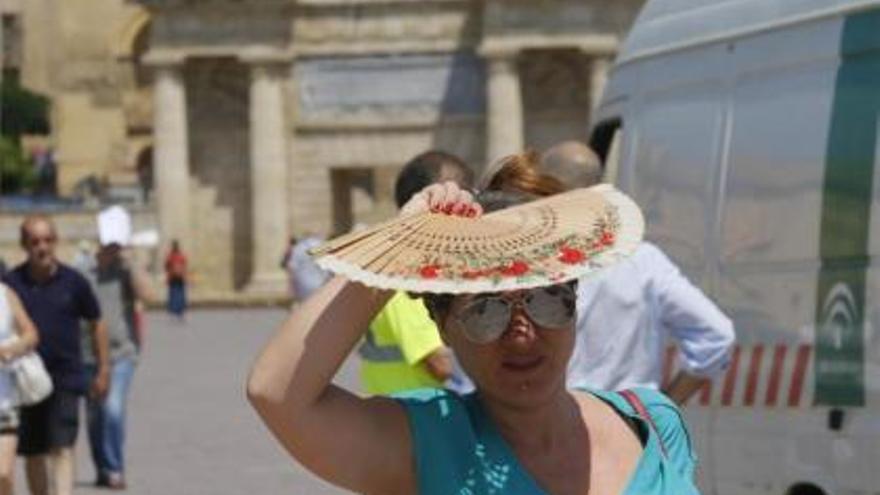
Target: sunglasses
[{"x": 485, "y": 318}]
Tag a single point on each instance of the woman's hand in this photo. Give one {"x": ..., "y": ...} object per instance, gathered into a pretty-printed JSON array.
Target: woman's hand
[{"x": 445, "y": 198}]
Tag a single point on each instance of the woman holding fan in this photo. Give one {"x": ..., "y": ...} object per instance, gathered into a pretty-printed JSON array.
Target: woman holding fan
[{"x": 501, "y": 288}]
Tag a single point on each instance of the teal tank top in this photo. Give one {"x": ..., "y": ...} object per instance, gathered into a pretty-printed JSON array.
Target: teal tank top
[{"x": 458, "y": 450}]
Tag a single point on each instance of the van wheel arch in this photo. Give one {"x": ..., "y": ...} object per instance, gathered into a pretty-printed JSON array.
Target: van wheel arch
[{"x": 805, "y": 489}]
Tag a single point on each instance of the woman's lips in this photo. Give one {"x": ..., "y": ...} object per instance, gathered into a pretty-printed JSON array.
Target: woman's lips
[{"x": 521, "y": 363}]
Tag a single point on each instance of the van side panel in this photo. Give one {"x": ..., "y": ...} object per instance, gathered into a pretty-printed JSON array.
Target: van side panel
[
  {"x": 673, "y": 185},
  {"x": 847, "y": 190},
  {"x": 844, "y": 378},
  {"x": 782, "y": 93},
  {"x": 730, "y": 149},
  {"x": 755, "y": 158}
]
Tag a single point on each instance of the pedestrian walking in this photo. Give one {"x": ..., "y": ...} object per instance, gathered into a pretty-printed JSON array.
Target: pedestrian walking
[
  {"x": 57, "y": 298},
  {"x": 630, "y": 313},
  {"x": 176, "y": 276},
  {"x": 121, "y": 286},
  {"x": 18, "y": 336},
  {"x": 522, "y": 432}
]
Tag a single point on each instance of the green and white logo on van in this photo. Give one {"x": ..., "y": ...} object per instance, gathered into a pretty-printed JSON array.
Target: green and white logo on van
[{"x": 846, "y": 216}]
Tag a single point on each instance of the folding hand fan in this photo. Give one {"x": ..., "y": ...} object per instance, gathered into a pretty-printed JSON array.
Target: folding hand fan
[{"x": 547, "y": 241}]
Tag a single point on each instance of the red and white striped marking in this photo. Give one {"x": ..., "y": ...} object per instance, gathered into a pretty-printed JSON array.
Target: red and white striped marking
[{"x": 768, "y": 376}]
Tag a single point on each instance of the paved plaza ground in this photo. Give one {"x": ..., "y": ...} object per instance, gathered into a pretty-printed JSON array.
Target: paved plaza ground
[{"x": 191, "y": 430}]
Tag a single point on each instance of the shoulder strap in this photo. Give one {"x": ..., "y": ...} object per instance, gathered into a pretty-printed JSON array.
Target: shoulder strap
[{"x": 633, "y": 399}]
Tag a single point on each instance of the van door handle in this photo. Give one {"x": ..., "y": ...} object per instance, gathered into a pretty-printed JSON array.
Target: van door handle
[{"x": 835, "y": 419}]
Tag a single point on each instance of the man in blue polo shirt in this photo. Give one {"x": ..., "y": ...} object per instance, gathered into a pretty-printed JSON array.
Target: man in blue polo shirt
[{"x": 57, "y": 298}]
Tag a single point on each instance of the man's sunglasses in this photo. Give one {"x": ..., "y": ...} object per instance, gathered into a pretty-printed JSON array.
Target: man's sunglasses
[{"x": 485, "y": 318}]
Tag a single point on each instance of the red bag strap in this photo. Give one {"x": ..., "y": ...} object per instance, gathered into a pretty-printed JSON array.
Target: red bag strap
[{"x": 633, "y": 399}]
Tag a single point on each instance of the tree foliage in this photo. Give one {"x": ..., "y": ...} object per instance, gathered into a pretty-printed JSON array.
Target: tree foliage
[
  {"x": 23, "y": 111},
  {"x": 16, "y": 173}
]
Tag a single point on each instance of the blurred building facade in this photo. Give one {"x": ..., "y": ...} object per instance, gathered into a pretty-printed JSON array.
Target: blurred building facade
[{"x": 251, "y": 120}]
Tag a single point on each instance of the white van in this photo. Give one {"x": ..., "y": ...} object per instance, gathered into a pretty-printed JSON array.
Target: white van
[{"x": 748, "y": 132}]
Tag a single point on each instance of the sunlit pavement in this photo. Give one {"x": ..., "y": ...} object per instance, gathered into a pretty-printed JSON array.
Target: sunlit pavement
[{"x": 191, "y": 430}]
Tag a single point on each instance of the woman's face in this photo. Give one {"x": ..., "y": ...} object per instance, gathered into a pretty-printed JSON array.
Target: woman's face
[{"x": 514, "y": 345}]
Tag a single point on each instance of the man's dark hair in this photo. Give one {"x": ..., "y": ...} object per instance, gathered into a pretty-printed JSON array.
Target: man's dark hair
[{"x": 429, "y": 168}]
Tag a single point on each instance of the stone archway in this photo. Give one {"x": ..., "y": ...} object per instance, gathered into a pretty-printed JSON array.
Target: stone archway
[{"x": 124, "y": 44}]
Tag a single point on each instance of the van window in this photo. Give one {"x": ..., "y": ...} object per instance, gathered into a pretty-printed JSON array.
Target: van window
[
  {"x": 779, "y": 137},
  {"x": 772, "y": 211},
  {"x": 675, "y": 153}
]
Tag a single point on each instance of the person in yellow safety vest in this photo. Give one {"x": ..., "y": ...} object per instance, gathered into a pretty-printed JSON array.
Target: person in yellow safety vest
[{"x": 402, "y": 349}]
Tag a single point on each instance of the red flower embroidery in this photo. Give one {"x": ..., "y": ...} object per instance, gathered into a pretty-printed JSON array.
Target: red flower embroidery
[
  {"x": 429, "y": 271},
  {"x": 471, "y": 274},
  {"x": 571, "y": 256},
  {"x": 607, "y": 238},
  {"x": 515, "y": 269}
]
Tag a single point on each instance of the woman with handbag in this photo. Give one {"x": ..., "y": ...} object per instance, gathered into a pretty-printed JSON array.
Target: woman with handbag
[{"x": 18, "y": 337}]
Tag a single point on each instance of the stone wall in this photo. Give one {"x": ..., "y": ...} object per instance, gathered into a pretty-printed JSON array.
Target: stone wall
[{"x": 74, "y": 54}]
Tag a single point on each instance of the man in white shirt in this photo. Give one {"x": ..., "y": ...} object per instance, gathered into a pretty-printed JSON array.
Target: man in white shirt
[{"x": 628, "y": 314}]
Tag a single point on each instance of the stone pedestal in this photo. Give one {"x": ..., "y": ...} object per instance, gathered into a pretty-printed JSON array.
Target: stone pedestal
[
  {"x": 171, "y": 153},
  {"x": 504, "y": 117},
  {"x": 268, "y": 145}
]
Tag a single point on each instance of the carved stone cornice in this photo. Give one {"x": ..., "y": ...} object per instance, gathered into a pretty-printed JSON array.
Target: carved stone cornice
[
  {"x": 269, "y": 56},
  {"x": 164, "y": 57},
  {"x": 510, "y": 45},
  {"x": 176, "y": 4},
  {"x": 343, "y": 27}
]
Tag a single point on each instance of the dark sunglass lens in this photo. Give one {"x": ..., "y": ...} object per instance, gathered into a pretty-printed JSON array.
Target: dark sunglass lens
[
  {"x": 485, "y": 319},
  {"x": 551, "y": 307}
]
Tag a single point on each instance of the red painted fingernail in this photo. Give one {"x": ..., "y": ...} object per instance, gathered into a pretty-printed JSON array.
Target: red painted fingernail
[{"x": 448, "y": 208}]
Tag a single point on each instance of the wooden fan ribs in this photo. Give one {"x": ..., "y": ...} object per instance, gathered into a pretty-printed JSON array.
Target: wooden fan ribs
[{"x": 551, "y": 239}]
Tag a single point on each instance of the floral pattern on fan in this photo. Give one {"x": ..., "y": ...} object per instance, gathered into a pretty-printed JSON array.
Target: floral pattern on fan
[
  {"x": 546, "y": 241},
  {"x": 572, "y": 250}
]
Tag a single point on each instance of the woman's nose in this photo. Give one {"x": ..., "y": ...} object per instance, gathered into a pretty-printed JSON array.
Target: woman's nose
[{"x": 521, "y": 330}]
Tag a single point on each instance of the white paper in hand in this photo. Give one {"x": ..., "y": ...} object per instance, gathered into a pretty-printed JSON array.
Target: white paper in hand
[{"x": 114, "y": 226}]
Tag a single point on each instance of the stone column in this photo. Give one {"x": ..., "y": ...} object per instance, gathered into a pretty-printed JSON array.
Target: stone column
[
  {"x": 171, "y": 151},
  {"x": 599, "y": 67},
  {"x": 268, "y": 153},
  {"x": 504, "y": 119}
]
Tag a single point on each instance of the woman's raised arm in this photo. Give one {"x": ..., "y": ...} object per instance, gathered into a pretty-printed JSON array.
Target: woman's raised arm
[{"x": 360, "y": 444}]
